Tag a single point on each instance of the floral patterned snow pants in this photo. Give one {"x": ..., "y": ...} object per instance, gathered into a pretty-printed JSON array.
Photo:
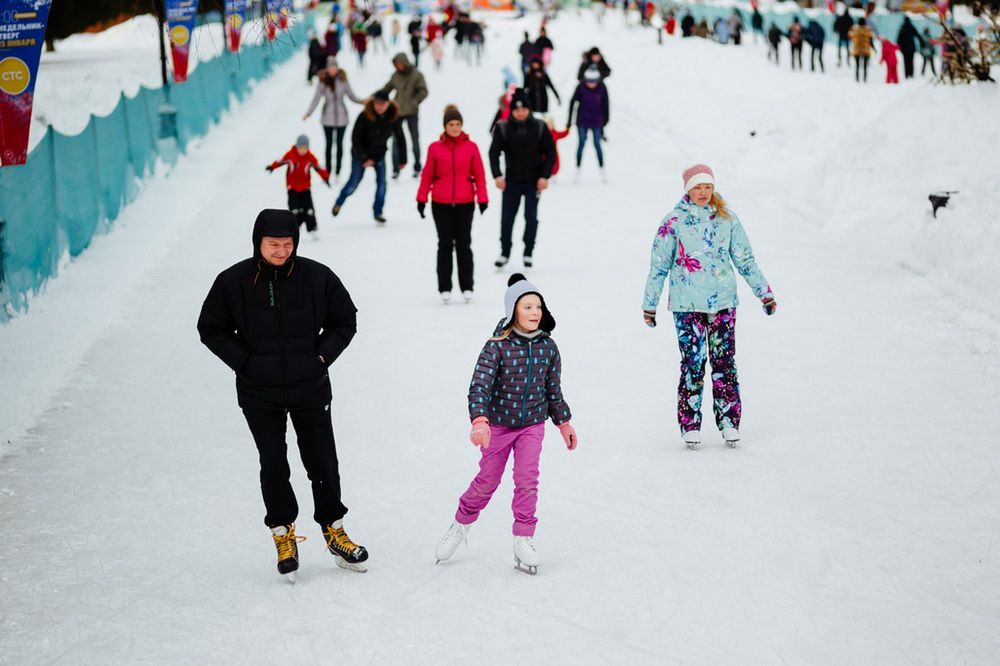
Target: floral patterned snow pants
[{"x": 717, "y": 332}]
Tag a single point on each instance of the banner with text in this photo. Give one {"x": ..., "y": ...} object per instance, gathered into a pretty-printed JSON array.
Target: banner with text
[
  {"x": 22, "y": 34},
  {"x": 236, "y": 15},
  {"x": 180, "y": 26}
]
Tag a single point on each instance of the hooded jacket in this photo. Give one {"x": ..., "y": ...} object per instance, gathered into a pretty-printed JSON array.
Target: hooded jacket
[
  {"x": 537, "y": 84},
  {"x": 271, "y": 324},
  {"x": 518, "y": 381},
  {"x": 453, "y": 172},
  {"x": 409, "y": 84},
  {"x": 697, "y": 249},
  {"x": 594, "y": 109},
  {"x": 370, "y": 137}
]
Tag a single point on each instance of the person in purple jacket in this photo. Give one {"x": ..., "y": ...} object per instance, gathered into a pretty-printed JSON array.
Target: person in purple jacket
[
  {"x": 515, "y": 388},
  {"x": 593, "y": 112}
]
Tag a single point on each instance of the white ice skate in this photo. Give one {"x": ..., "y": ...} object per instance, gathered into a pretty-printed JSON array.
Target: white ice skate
[
  {"x": 529, "y": 262},
  {"x": 604, "y": 175},
  {"x": 445, "y": 297},
  {"x": 314, "y": 235},
  {"x": 525, "y": 555},
  {"x": 501, "y": 261},
  {"x": 467, "y": 295},
  {"x": 692, "y": 438},
  {"x": 456, "y": 534},
  {"x": 732, "y": 437}
]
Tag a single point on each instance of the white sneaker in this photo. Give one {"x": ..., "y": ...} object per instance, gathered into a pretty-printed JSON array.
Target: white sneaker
[
  {"x": 467, "y": 295},
  {"x": 445, "y": 297},
  {"x": 456, "y": 534},
  {"x": 525, "y": 556},
  {"x": 692, "y": 438},
  {"x": 731, "y": 435}
]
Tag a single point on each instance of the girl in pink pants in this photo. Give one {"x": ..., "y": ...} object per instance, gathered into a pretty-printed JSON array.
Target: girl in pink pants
[{"x": 515, "y": 388}]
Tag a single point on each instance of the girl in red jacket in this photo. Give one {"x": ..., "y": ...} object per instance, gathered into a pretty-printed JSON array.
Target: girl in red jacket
[
  {"x": 454, "y": 177},
  {"x": 300, "y": 160},
  {"x": 557, "y": 136}
]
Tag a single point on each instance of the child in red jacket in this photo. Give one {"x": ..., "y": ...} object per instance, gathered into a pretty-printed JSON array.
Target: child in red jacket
[
  {"x": 300, "y": 160},
  {"x": 889, "y": 51},
  {"x": 557, "y": 136}
]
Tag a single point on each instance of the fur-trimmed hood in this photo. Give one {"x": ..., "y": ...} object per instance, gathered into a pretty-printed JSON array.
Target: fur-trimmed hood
[{"x": 391, "y": 114}]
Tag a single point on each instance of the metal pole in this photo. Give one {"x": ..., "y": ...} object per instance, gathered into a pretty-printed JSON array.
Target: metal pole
[{"x": 163, "y": 51}]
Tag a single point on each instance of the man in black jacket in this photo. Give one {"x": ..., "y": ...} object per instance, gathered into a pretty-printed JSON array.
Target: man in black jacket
[
  {"x": 378, "y": 122},
  {"x": 842, "y": 26},
  {"x": 909, "y": 40},
  {"x": 529, "y": 156},
  {"x": 279, "y": 321}
]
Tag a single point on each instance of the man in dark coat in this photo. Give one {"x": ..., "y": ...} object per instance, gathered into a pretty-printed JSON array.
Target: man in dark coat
[
  {"x": 529, "y": 156},
  {"x": 842, "y": 26},
  {"x": 376, "y": 124},
  {"x": 279, "y": 321},
  {"x": 687, "y": 25},
  {"x": 411, "y": 89},
  {"x": 909, "y": 41}
]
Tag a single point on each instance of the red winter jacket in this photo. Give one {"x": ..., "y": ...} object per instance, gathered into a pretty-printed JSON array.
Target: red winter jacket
[
  {"x": 453, "y": 172},
  {"x": 297, "y": 177},
  {"x": 557, "y": 136}
]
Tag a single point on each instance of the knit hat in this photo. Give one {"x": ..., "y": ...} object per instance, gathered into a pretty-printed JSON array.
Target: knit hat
[
  {"x": 331, "y": 61},
  {"x": 302, "y": 141},
  {"x": 591, "y": 75},
  {"x": 381, "y": 96},
  {"x": 519, "y": 100},
  {"x": 698, "y": 174},
  {"x": 517, "y": 288},
  {"x": 451, "y": 113}
]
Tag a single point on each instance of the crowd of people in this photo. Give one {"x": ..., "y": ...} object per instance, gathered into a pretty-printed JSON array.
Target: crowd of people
[
  {"x": 857, "y": 41},
  {"x": 279, "y": 320}
]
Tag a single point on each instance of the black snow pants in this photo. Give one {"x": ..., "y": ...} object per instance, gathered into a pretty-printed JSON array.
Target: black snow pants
[
  {"x": 314, "y": 431},
  {"x": 454, "y": 229},
  {"x": 301, "y": 205}
]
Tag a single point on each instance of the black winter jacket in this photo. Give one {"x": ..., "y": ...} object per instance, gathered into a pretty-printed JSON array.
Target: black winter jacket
[
  {"x": 528, "y": 149},
  {"x": 271, "y": 325},
  {"x": 371, "y": 134}
]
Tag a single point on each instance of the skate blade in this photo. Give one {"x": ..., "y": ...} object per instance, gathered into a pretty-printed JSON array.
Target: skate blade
[
  {"x": 525, "y": 568},
  {"x": 692, "y": 446},
  {"x": 732, "y": 443},
  {"x": 289, "y": 577},
  {"x": 344, "y": 564}
]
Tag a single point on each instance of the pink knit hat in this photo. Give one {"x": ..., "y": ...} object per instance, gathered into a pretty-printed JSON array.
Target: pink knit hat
[{"x": 698, "y": 174}]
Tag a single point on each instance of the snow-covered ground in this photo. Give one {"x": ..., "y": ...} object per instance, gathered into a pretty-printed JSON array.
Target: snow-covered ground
[{"x": 856, "y": 524}]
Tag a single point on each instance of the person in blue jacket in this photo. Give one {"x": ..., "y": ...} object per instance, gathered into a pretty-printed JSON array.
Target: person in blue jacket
[
  {"x": 815, "y": 35},
  {"x": 696, "y": 246}
]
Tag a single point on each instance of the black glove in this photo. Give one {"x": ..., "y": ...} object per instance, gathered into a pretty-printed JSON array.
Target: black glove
[
  {"x": 482, "y": 207},
  {"x": 269, "y": 168},
  {"x": 421, "y": 207}
]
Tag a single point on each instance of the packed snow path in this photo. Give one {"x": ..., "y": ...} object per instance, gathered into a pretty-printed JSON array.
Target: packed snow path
[{"x": 856, "y": 523}]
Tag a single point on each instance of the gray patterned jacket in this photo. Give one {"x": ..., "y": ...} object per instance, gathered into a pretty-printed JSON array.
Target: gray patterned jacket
[{"x": 517, "y": 382}]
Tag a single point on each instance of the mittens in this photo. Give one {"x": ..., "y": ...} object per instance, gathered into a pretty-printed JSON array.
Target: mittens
[{"x": 770, "y": 305}]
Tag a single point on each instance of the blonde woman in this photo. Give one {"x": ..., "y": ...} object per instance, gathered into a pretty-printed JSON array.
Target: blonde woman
[
  {"x": 696, "y": 246},
  {"x": 332, "y": 89}
]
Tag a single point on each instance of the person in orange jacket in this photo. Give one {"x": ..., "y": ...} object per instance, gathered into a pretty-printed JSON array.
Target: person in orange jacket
[{"x": 300, "y": 161}]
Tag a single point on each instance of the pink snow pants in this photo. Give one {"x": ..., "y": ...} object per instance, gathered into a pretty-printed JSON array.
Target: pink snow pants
[{"x": 526, "y": 443}]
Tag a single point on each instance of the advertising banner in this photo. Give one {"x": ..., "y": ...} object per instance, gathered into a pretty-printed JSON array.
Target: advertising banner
[{"x": 22, "y": 35}]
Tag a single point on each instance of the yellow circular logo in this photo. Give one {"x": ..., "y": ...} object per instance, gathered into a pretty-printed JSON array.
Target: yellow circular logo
[
  {"x": 235, "y": 21},
  {"x": 14, "y": 76},
  {"x": 179, "y": 35}
]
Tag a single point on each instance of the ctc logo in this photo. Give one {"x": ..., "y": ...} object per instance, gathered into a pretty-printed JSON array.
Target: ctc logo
[{"x": 14, "y": 76}]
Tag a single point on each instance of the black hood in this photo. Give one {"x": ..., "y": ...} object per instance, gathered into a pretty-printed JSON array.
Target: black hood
[{"x": 276, "y": 223}]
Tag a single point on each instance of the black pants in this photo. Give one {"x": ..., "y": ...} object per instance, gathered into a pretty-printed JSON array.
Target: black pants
[
  {"x": 399, "y": 151},
  {"x": 797, "y": 54},
  {"x": 512, "y": 196},
  {"x": 908, "y": 65},
  {"x": 845, "y": 44},
  {"x": 861, "y": 65},
  {"x": 314, "y": 431},
  {"x": 329, "y": 132},
  {"x": 928, "y": 61},
  {"x": 813, "y": 54},
  {"x": 301, "y": 205},
  {"x": 454, "y": 227}
]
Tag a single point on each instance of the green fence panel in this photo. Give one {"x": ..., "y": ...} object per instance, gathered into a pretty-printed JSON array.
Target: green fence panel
[{"x": 114, "y": 166}]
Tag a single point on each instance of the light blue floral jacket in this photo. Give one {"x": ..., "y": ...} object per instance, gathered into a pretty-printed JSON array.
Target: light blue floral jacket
[{"x": 697, "y": 249}]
